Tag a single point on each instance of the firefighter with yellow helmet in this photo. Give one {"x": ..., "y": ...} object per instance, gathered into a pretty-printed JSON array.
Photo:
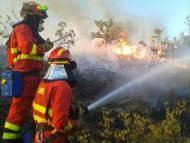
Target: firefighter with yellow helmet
[{"x": 25, "y": 55}]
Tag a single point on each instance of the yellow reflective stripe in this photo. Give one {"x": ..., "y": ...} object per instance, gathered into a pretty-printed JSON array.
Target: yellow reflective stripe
[
  {"x": 39, "y": 119},
  {"x": 12, "y": 126},
  {"x": 41, "y": 90},
  {"x": 41, "y": 109},
  {"x": 42, "y": 7},
  {"x": 59, "y": 62},
  {"x": 60, "y": 52},
  {"x": 14, "y": 50},
  {"x": 11, "y": 136},
  {"x": 30, "y": 57},
  {"x": 3, "y": 81},
  {"x": 33, "y": 50},
  {"x": 68, "y": 127}
]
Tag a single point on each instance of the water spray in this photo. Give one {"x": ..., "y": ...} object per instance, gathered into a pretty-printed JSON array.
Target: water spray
[
  {"x": 85, "y": 110},
  {"x": 134, "y": 82}
]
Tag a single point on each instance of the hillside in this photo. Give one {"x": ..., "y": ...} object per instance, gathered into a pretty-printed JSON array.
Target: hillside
[
  {"x": 153, "y": 106},
  {"x": 139, "y": 112}
]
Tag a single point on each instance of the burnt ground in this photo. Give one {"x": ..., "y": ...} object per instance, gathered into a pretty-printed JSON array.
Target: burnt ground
[{"x": 149, "y": 102}]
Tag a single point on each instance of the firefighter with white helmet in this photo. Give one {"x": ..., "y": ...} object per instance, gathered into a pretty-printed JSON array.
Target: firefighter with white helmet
[{"x": 52, "y": 102}]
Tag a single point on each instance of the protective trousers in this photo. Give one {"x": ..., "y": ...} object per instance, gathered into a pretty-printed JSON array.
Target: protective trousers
[{"x": 20, "y": 110}]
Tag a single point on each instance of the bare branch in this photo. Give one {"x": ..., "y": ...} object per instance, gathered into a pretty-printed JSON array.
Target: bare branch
[{"x": 67, "y": 37}]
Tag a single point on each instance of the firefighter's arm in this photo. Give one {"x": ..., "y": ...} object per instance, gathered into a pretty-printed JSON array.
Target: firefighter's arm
[{"x": 26, "y": 42}]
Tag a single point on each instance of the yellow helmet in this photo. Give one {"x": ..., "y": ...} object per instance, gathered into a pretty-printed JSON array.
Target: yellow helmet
[{"x": 33, "y": 8}]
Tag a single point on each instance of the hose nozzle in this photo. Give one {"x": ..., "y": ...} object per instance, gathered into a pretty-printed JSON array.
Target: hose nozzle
[{"x": 85, "y": 110}]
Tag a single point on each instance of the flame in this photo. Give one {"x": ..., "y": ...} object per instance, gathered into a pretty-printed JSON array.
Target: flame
[
  {"x": 142, "y": 54},
  {"x": 125, "y": 50}
]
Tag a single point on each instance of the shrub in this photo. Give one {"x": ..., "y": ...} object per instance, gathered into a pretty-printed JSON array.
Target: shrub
[{"x": 123, "y": 127}]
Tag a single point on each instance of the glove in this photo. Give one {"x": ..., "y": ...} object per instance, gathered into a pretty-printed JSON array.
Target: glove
[
  {"x": 76, "y": 113},
  {"x": 47, "y": 45},
  {"x": 79, "y": 117},
  {"x": 79, "y": 112}
]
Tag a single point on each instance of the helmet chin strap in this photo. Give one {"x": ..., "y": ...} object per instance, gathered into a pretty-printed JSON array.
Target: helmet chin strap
[{"x": 40, "y": 27}]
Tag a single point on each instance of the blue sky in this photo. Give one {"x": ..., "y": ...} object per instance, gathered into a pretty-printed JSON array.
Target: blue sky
[
  {"x": 174, "y": 12},
  {"x": 134, "y": 14}
]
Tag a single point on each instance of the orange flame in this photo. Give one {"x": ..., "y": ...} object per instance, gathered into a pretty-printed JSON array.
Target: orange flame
[
  {"x": 123, "y": 49},
  {"x": 130, "y": 51}
]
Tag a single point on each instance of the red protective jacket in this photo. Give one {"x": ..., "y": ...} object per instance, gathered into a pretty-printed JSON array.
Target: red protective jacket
[
  {"x": 58, "y": 94},
  {"x": 24, "y": 53}
]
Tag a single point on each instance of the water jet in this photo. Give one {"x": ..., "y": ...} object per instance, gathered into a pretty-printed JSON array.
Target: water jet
[{"x": 156, "y": 70}]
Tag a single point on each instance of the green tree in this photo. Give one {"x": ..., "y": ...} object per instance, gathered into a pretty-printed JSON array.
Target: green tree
[{"x": 108, "y": 31}]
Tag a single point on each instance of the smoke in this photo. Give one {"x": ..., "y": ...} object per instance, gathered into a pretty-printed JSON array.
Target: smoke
[
  {"x": 155, "y": 83},
  {"x": 137, "y": 27},
  {"x": 80, "y": 17},
  {"x": 176, "y": 77}
]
